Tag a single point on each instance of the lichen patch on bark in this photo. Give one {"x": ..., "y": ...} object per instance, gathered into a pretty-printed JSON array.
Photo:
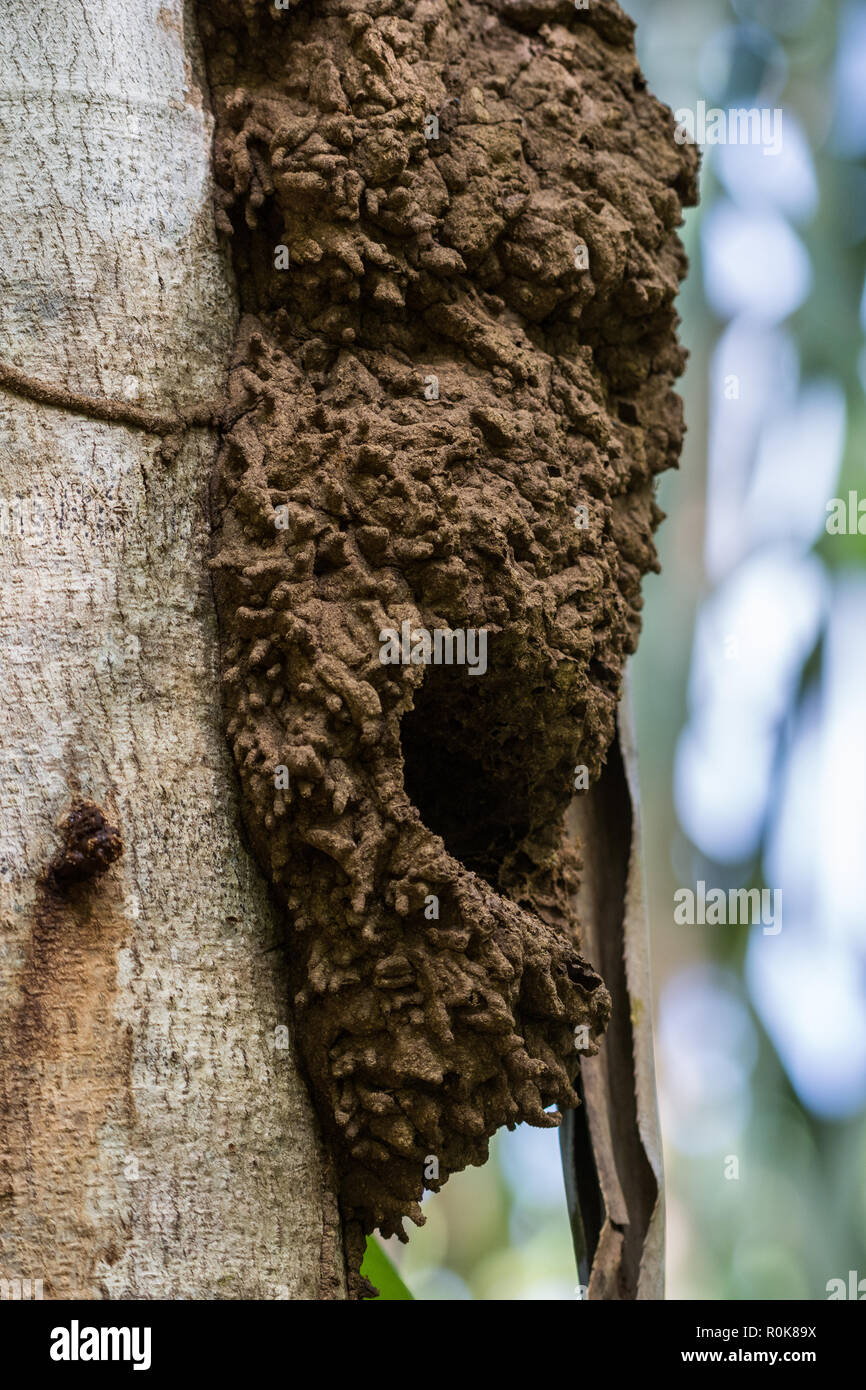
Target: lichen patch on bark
[{"x": 452, "y": 395}]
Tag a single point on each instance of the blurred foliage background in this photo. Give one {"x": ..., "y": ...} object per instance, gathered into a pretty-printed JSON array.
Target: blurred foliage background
[{"x": 749, "y": 685}]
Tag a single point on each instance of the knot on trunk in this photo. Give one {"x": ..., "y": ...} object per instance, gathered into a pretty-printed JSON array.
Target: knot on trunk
[{"x": 90, "y": 846}]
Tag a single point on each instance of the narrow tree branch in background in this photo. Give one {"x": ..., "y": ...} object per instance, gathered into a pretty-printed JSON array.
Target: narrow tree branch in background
[{"x": 612, "y": 1150}]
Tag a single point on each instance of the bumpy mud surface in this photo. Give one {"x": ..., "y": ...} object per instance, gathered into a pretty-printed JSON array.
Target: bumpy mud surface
[{"x": 524, "y": 256}]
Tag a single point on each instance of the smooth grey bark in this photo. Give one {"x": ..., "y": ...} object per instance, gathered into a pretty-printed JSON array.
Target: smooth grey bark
[{"x": 156, "y": 1139}]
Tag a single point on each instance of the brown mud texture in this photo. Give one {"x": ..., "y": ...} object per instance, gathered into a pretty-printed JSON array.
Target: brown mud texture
[{"x": 453, "y": 232}]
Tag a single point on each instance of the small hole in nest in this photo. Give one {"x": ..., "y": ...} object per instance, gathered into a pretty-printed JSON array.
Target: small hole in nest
[
  {"x": 581, "y": 974},
  {"x": 465, "y": 766}
]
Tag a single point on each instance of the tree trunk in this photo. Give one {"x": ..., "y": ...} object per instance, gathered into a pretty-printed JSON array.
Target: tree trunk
[{"x": 156, "y": 1140}]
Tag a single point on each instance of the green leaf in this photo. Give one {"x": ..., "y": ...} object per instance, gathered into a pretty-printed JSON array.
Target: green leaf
[{"x": 376, "y": 1267}]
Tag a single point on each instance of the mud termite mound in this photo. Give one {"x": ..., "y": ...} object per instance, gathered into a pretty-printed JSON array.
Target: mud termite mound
[{"x": 453, "y": 229}]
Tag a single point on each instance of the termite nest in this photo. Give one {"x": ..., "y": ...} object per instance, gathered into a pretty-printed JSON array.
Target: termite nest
[{"x": 409, "y": 817}]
